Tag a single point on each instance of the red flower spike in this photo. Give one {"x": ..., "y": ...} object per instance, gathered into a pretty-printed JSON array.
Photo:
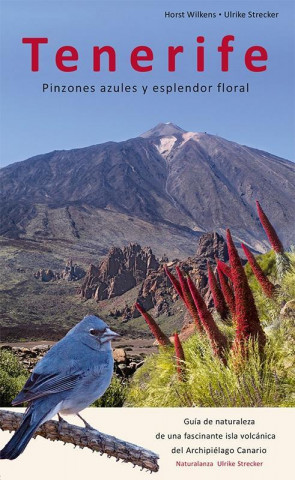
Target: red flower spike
[
  {"x": 224, "y": 268},
  {"x": 218, "y": 341},
  {"x": 227, "y": 292},
  {"x": 174, "y": 282},
  {"x": 269, "y": 230},
  {"x": 179, "y": 353},
  {"x": 266, "y": 285},
  {"x": 187, "y": 298},
  {"x": 217, "y": 294},
  {"x": 247, "y": 321},
  {"x": 154, "y": 327},
  {"x": 188, "y": 302}
]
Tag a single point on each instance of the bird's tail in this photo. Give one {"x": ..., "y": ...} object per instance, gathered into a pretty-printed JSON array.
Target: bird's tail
[{"x": 21, "y": 438}]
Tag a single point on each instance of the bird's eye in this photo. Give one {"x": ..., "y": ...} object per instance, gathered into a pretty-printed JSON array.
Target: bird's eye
[{"x": 92, "y": 331}]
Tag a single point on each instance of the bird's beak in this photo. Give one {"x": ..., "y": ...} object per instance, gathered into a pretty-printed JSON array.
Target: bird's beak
[{"x": 109, "y": 335}]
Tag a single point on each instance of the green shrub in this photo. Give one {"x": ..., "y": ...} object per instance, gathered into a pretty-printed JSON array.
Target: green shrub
[
  {"x": 288, "y": 281},
  {"x": 254, "y": 382},
  {"x": 12, "y": 377},
  {"x": 209, "y": 383},
  {"x": 269, "y": 309}
]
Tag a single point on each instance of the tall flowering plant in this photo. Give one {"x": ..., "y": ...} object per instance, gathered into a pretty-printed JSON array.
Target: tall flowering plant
[
  {"x": 266, "y": 285},
  {"x": 247, "y": 321},
  {"x": 218, "y": 298},
  {"x": 269, "y": 230},
  {"x": 160, "y": 336},
  {"x": 227, "y": 291},
  {"x": 180, "y": 358},
  {"x": 217, "y": 339},
  {"x": 182, "y": 289},
  {"x": 224, "y": 268}
]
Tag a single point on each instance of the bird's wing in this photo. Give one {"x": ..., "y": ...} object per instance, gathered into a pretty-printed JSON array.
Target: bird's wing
[{"x": 39, "y": 385}]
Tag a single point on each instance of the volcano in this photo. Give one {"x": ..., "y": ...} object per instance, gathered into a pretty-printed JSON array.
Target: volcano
[{"x": 162, "y": 189}]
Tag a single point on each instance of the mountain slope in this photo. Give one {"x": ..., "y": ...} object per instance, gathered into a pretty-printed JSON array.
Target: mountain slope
[{"x": 162, "y": 189}]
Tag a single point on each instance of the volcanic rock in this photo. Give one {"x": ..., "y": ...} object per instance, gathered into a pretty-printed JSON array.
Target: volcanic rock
[
  {"x": 119, "y": 355},
  {"x": 71, "y": 273},
  {"x": 124, "y": 365},
  {"x": 212, "y": 245},
  {"x": 157, "y": 292},
  {"x": 45, "y": 275},
  {"x": 121, "y": 270},
  {"x": 288, "y": 310}
]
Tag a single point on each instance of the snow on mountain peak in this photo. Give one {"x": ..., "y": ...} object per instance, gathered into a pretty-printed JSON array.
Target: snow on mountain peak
[
  {"x": 165, "y": 146},
  {"x": 163, "y": 130}
]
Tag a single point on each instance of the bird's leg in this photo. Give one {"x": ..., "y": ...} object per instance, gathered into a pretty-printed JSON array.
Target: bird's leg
[
  {"x": 85, "y": 423},
  {"x": 61, "y": 423},
  {"x": 60, "y": 419}
]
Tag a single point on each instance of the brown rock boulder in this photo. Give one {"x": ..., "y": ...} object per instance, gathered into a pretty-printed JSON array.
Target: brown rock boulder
[
  {"x": 212, "y": 245},
  {"x": 288, "y": 310},
  {"x": 120, "y": 271},
  {"x": 119, "y": 355},
  {"x": 45, "y": 275},
  {"x": 71, "y": 273},
  {"x": 155, "y": 292}
]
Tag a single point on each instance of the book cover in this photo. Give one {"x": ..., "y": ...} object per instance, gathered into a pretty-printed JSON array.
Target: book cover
[{"x": 147, "y": 239}]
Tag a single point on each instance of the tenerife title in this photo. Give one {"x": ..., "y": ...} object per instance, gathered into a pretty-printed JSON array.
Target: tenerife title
[{"x": 142, "y": 56}]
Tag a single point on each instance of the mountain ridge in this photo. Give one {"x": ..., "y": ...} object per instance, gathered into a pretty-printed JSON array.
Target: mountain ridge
[
  {"x": 182, "y": 181},
  {"x": 146, "y": 135}
]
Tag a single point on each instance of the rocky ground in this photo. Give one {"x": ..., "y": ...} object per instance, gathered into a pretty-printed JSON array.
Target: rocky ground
[
  {"x": 33, "y": 309},
  {"x": 123, "y": 269},
  {"x": 127, "y": 358}
]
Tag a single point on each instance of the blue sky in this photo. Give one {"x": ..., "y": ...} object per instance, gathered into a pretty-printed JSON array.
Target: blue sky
[{"x": 33, "y": 122}]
